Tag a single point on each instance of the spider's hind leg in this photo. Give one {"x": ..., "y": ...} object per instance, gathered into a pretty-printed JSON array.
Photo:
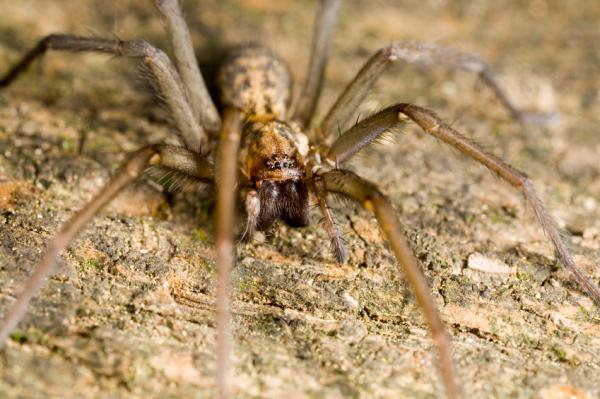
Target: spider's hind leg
[
  {"x": 424, "y": 55},
  {"x": 325, "y": 23},
  {"x": 183, "y": 50}
]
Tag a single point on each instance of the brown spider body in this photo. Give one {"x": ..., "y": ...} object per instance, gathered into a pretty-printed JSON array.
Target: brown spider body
[
  {"x": 279, "y": 170},
  {"x": 275, "y": 166},
  {"x": 256, "y": 81}
]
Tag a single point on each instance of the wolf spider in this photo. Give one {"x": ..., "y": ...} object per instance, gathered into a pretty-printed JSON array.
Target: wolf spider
[{"x": 281, "y": 169}]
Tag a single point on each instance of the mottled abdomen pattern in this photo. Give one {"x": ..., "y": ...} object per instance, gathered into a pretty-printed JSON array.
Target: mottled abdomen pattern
[{"x": 255, "y": 80}]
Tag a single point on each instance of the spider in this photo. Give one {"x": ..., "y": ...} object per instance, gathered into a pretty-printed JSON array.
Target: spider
[{"x": 262, "y": 151}]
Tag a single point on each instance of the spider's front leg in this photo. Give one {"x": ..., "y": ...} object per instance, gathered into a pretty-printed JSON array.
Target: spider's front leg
[
  {"x": 178, "y": 159},
  {"x": 156, "y": 60},
  {"x": 226, "y": 179},
  {"x": 390, "y": 118},
  {"x": 426, "y": 55},
  {"x": 349, "y": 184}
]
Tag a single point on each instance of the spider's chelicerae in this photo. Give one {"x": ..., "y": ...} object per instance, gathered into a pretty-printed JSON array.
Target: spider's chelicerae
[{"x": 263, "y": 151}]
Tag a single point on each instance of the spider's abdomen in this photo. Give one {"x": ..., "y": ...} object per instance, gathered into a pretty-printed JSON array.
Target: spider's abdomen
[{"x": 256, "y": 81}]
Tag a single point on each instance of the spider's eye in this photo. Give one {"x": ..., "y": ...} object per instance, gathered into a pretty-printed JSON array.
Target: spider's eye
[{"x": 287, "y": 163}]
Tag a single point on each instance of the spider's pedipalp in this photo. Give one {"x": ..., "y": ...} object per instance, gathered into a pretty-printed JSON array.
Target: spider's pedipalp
[
  {"x": 252, "y": 205},
  {"x": 336, "y": 237}
]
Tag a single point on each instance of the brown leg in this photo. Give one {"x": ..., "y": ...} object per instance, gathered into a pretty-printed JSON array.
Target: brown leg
[
  {"x": 166, "y": 156},
  {"x": 423, "y": 55},
  {"x": 351, "y": 185},
  {"x": 363, "y": 134},
  {"x": 164, "y": 73},
  {"x": 185, "y": 162},
  {"x": 183, "y": 50},
  {"x": 226, "y": 178},
  {"x": 369, "y": 129},
  {"x": 309, "y": 97}
]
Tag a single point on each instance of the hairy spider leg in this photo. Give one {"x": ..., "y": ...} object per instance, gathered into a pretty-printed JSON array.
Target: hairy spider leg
[
  {"x": 349, "y": 184},
  {"x": 163, "y": 71},
  {"x": 426, "y": 55},
  {"x": 323, "y": 32},
  {"x": 366, "y": 131},
  {"x": 174, "y": 158},
  {"x": 187, "y": 64}
]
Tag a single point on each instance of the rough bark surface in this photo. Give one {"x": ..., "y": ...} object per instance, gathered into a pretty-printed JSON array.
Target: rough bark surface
[{"x": 130, "y": 311}]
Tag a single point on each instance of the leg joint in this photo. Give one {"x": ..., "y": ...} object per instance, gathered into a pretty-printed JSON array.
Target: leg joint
[
  {"x": 139, "y": 160},
  {"x": 524, "y": 183},
  {"x": 136, "y": 49},
  {"x": 48, "y": 41},
  {"x": 390, "y": 53}
]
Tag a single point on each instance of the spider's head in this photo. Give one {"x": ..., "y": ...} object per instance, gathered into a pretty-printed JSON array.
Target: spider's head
[
  {"x": 275, "y": 151},
  {"x": 275, "y": 164}
]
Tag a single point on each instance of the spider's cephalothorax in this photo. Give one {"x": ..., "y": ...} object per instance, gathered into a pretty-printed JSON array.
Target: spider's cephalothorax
[
  {"x": 257, "y": 82},
  {"x": 259, "y": 131},
  {"x": 274, "y": 162}
]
